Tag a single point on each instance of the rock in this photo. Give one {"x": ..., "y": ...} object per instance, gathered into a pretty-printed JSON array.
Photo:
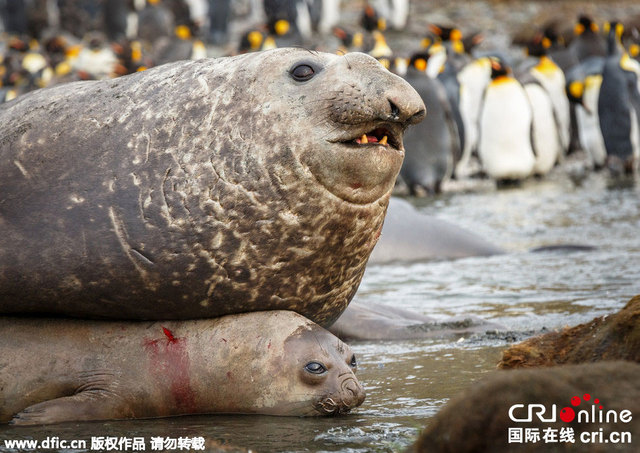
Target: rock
[
  {"x": 478, "y": 420},
  {"x": 610, "y": 337}
]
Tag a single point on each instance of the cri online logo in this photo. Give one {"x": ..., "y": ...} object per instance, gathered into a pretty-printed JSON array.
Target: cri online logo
[{"x": 517, "y": 413}]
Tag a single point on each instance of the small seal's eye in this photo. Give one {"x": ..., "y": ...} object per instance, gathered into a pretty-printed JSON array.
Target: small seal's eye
[
  {"x": 303, "y": 72},
  {"x": 315, "y": 368},
  {"x": 354, "y": 362}
]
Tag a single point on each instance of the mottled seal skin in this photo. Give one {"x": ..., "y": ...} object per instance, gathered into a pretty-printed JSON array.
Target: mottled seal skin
[
  {"x": 274, "y": 362},
  {"x": 199, "y": 189}
]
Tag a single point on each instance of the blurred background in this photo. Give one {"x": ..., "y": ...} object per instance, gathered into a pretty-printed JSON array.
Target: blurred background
[{"x": 532, "y": 138}]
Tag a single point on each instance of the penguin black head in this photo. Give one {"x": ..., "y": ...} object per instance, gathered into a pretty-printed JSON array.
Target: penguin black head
[
  {"x": 585, "y": 24},
  {"x": 538, "y": 46},
  {"x": 419, "y": 61},
  {"x": 371, "y": 21},
  {"x": 614, "y": 32},
  {"x": 446, "y": 33},
  {"x": 471, "y": 41},
  {"x": 251, "y": 41},
  {"x": 347, "y": 38},
  {"x": 498, "y": 68},
  {"x": 575, "y": 91}
]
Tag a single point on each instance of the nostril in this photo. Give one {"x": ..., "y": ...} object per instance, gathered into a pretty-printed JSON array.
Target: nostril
[
  {"x": 418, "y": 116},
  {"x": 395, "y": 111}
]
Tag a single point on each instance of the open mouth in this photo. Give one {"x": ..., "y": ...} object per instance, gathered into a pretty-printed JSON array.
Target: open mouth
[{"x": 380, "y": 136}]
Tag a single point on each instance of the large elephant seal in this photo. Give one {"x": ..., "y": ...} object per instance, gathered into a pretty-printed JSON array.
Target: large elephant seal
[
  {"x": 199, "y": 189},
  {"x": 273, "y": 362}
]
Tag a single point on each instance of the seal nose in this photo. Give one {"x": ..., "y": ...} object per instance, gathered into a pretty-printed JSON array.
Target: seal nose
[
  {"x": 353, "y": 394},
  {"x": 405, "y": 105}
]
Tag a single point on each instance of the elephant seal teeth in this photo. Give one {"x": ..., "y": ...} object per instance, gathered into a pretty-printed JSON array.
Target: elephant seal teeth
[{"x": 383, "y": 141}]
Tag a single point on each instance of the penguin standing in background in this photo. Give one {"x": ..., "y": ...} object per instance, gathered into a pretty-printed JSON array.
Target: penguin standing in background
[
  {"x": 115, "y": 14},
  {"x": 371, "y": 20},
  {"x": 619, "y": 106},
  {"x": 14, "y": 16},
  {"x": 396, "y": 12},
  {"x": 181, "y": 47},
  {"x": 79, "y": 17},
  {"x": 473, "y": 79},
  {"x": 583, "y": 90},
  {"x": 430, "y": 146},
  {"x": 505, "y": 148},
  {"x": 301, "y": 16},
  {"x": 552, "y": 79},
  {"x": 154, "y": 21},
  {"x": 219, "y": 18},
  {"x": 450, "y": 38},
  {"x": 587, "y": 42},
  {"x": 545, "y": 134}
]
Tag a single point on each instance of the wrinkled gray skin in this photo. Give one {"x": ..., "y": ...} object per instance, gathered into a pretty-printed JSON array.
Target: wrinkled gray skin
[
  {"x": 409, "y": 235},
  {"x": 62, "y": 370},
  {"x": 199, "y": 189},
  {"x": 371, "y": 321}
]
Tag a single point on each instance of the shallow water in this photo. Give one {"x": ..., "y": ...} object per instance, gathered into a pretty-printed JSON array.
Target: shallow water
[{"x": 406, "y": 382}]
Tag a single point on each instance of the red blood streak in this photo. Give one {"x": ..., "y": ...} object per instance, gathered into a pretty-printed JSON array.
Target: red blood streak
[
  {"x": 169, "y": 335},
  {"x": 169, "y": 364}
]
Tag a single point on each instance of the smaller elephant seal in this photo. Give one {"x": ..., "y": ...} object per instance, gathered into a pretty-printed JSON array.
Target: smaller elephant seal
[{"x": 270, "y": 362}]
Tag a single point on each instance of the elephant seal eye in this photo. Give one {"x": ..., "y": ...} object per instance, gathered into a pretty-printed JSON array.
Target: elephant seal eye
[
  {"x": 302, "y": 72},
  {"x": 315, "y": 368},
  {"x": 354, "y": 362}
]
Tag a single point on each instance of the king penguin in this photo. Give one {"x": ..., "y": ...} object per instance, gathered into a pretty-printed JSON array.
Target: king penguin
[
  {"x": 587, "y": 42},
  {"x": 545, "y": 133},
  {"x": 552, "y": 79},
  {"x": 583, "y": 90},
  {"x": 619, "y": 106},
  {"x": 430, "y": 147},
  {"x": 473, "y": 78},
  {"x": 505, "y": 148}
]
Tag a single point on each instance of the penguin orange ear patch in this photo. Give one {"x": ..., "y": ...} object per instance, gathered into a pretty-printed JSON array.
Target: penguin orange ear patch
[
  {"x": 576, "y": 89},
  {"x": 420, "y": 64}
]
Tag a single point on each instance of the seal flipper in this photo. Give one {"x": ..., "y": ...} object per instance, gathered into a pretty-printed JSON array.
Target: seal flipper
[{"x": 84, "y": 406}]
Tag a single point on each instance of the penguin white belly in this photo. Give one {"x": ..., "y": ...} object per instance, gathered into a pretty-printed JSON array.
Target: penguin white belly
[
  {"x": 546, "y": 140},
  {"x": 473, "y": 79},
  {"x": 330, "y": 16},
  {"x": 505, "y": 132},
  {"x": 589, "y": 123},
  {"x": 554, "y": 82},
  {"x": 635, "y": 140}
]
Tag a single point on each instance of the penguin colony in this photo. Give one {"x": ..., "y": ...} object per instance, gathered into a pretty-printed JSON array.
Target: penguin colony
[{"x": 490, "y": 113}]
